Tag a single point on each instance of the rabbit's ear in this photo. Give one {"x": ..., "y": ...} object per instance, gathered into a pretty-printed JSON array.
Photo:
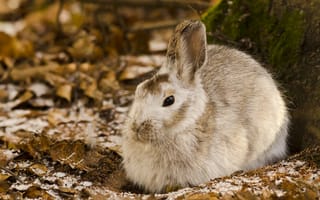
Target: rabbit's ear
[{"x": 187, "y": 49}]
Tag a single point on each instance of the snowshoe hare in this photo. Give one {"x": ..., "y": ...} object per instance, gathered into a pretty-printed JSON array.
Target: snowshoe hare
[{"x": 209, "y": 111}]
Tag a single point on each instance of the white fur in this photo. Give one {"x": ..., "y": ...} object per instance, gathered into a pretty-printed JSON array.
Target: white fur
[{"x": 249, "y": 123}]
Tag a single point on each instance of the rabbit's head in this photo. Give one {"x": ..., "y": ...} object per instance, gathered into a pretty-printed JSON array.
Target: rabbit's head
[{"x": 173, "y": 99}]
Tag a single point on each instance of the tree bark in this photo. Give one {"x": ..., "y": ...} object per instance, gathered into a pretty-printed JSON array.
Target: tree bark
[{"x": 285, "y": 36}]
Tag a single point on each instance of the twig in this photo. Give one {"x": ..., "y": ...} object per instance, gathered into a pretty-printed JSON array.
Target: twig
[
  {"x": 11, "y": 173},
  {"x": 154, "y": 26},
  {"x": 147, "y": 3}
]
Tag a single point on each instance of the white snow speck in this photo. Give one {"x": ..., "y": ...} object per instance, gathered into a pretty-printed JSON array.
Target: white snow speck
[
  {"x": 279, "y": 193},
  {"x": 59, "y": 174},
  {"x": 20, "y": 187}
]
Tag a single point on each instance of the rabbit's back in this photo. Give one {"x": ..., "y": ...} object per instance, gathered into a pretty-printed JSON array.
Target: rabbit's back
[{"x": 246, "y": 96}]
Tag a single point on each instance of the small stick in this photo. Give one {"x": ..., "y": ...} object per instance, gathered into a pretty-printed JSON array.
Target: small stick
[
  {"x": 154, "y": 26},
  {"x": 147, "y": 3},
  {"x": 11, "y": 173}
]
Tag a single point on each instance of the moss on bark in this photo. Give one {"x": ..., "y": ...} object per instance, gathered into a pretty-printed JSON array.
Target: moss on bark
[
  {"x": 285, "y": 35},
  {"x": 279, "y": 38}
]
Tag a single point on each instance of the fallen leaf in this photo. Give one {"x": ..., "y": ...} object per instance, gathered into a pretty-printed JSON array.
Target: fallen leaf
[
  {"x": 65, "y": 91},
  {"x": 5, "y": 156},
  {"x": 93, "y": 92},
  {"x": 133, "y": 72},
  {"x": 75, "y": 154},
  {"x": 201, "y": 196},
  {"x": 90, "y": 87},
  {"x": 4, "y": 187},
  {"x": 54, "y": 79},
  {"x": 38, "y": 169},
  {"x": 3, "y": 95},
  {"x": 13, "y": 47},
  {"x": 108, "y": 82},
  {"x": 27, "y": 95},
  {"x": 4, "y": 177},
  {"x": 35, "y": 144},
  {"x": 35, "y": 192},
  {"x": 8, "y": 62},
  {"x": 55, "y": 116},
  {"x": 84, "y": 48},
  {"x": 28, "y": 72}
]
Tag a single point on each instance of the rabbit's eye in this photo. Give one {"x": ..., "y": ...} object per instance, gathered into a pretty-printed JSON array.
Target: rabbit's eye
[{"x": 168, "y": 101}]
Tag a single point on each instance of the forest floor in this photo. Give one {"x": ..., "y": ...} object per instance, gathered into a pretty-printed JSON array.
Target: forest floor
[{"x": 66, "y": 84}]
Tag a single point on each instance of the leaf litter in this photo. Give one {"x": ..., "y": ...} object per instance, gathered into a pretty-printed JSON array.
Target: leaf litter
[{"x": 65, "y": 90}]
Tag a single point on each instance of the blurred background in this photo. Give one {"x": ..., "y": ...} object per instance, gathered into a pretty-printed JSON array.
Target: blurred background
[{"x": 68, "y": 70}]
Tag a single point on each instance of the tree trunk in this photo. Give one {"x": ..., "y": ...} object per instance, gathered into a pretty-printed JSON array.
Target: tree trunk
[{"x": 285, "y": 36}]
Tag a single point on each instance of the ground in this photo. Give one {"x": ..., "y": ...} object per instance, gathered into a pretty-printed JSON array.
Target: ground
[{"x": 67, "y": 77}]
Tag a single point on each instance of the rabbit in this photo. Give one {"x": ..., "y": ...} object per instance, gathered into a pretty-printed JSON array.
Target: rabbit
[{"x": 209, "y": 111}]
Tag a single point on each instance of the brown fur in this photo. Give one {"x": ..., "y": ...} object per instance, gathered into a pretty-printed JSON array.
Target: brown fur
[
  {"x": 178, "y": 116},
  {"x": 153, "y": 84},
  {"x": 191, "y": 35}
]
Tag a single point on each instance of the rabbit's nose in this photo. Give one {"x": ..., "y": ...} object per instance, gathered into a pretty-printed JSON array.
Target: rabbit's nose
[
  {"x": 141, "y": 127},
  {"x": 145, "y": 126},
  {"x": 143, "y": 131}
]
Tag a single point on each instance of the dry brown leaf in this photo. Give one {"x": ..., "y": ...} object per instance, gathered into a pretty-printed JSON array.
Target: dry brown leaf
[
  {"x": 55, "y": 116},
  {"x": 35, "y": 192},
  {"x": 145, "y": 60},
  {"x": 6, "y": 156},
  {"x": 54, "y": 80},
  {"x": 66, "y": 189},
  {"x": 76, "y": 154},
  {"x": 68, "y": 152},
  {"x": 3, "y": 95},
  {"x": 86, "y": 67},
  {"x": 24, "y": 97},
  {"x": 311, "y": 194},
  {"x": 109, "y": 81},
  {"x": 7, "y": 61},
  {"x": 133, "y": 72},
  {"x": 27, "y": 95},
  {"x": 90, "y": 87},
  {"x": 13, "y": 47},
  {"x": 4, "y": 186},
  {"x": 36, "y": 146},
  {"x": 38, "y": 169},
  {"x": 4, "y": 177},
  {"x": 246, "y": 195},
  {"x": 65, "y": 91},
  {"x": 84, "y": 48},
  {"x": 70, "y": 68},
  {"x": 201, "y": 196},
  {"x": 28, "y": 72},
  {"x": 47, "y": 13},
  {"x": 93, "y": 92}
]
